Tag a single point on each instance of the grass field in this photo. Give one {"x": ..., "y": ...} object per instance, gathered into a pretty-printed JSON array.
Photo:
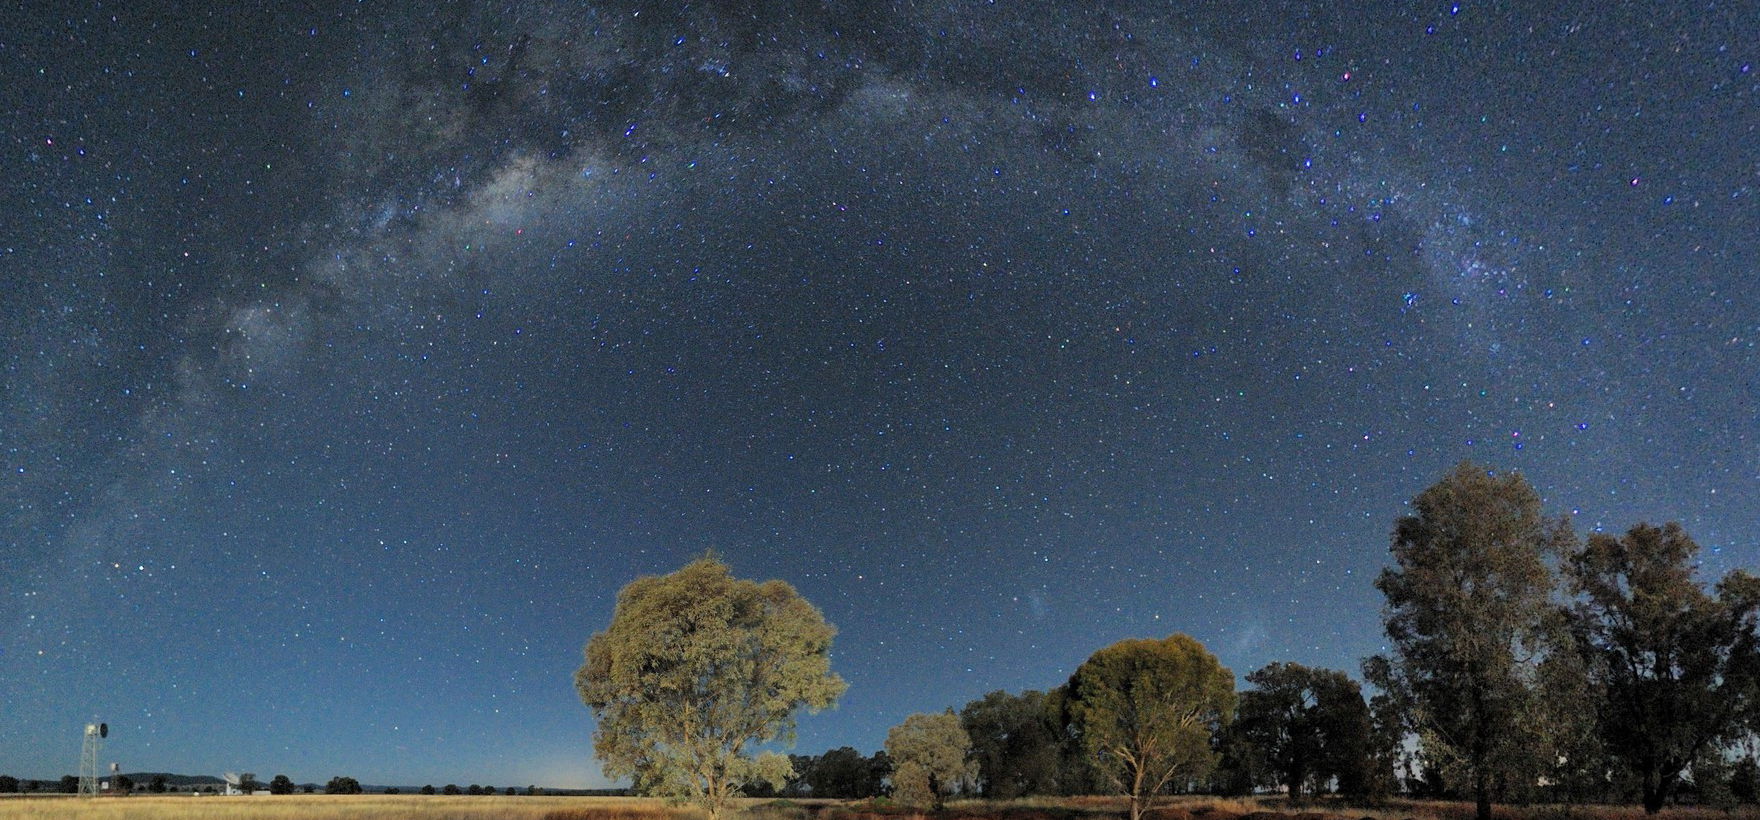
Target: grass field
[
  {"x": 440, "y": 807},
  {"x": 340, "y": 807}
]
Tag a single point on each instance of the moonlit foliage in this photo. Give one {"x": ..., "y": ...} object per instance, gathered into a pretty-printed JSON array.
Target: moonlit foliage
[
  {"x": 1147, "y": 711},
  {"x": 697, "y": 671}
]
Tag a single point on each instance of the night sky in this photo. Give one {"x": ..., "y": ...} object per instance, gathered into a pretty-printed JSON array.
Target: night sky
[{"x": 354, "y": 358}]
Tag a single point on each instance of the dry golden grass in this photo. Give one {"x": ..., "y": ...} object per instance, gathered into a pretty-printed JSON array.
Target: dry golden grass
[
  {"x": 424, "y": 807},
  {"x": 341, "y": 807}
]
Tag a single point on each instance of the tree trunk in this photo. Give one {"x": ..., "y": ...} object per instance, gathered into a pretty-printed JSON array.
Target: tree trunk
[
  {"x": 1482, "y": 796},
  {"x": 1654, "y": 789},
  {"x": 1137, "y": 794}
]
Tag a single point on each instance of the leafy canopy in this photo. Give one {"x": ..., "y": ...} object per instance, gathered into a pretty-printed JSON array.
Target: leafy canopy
[
  {"x": 1466, "y": 617},
  {"x": 696, "y": 669},
  {"x": 931, "y": 758},
  {"x": 1677, "y": 664},
  {"x": 1146, "y": 710},
  {"x": 1015, "y": 742},
  {"x": 1307, "y": 725}
]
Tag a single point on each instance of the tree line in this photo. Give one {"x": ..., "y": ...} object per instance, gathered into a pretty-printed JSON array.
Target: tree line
[
  {"x": 1524, "y": 663},
  {"x": 279, "y": 784}
]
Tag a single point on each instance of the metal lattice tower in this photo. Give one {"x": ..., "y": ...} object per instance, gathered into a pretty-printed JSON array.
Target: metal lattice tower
[{"x": 88, "y": 758}]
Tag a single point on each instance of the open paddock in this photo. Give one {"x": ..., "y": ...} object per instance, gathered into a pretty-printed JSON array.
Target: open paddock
[
  {"x": 340, "y": 807},
  {"x": 444, "y": 807}
]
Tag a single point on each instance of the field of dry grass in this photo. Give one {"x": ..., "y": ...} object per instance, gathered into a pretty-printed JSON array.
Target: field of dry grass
[
  {"x": 421, "y": 807},
  {"x": 341, "y": 807}
]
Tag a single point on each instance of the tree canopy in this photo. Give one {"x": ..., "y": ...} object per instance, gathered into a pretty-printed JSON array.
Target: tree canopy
[
  {"x": 1015, "y": 742},
  {"x": 342, "y": 785},
  {"x": 930, "y": 758},
  {"x": 1308, "y": 725},
  {"x": 1677, "y": 664},
  {"x": 1467, "y": 603},
  {"x": 1146, "y": 710},
  {"x": 696, "y": 669},
  {"x": 843, "y": 773}
]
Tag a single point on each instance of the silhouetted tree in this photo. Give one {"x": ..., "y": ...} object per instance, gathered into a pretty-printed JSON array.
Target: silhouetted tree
[
  {"x": 69, "y": 784},
  {"x": 1308, "y": 726},
  {"x": 393, "y": 790},
  {"x": 1744, "y": 780},
  {"x": 1015, "y": 743},
  {"x": 879, "y": 775},
  {"x": 842, "y": 773},
  {"x": 309, "y": 788},
  {"x": 1078, "y": 771},
  {"x": 474, "y": 789},
  {"x": 1679, "y": 665},
  {"x": 8, "y": 784},
  {"x": 157, "y": 784},
  {"x": 452, "y": 788},
  {"x": 280, "y": 784},
  {"x": 428, "y": 789},
  {"x": 1467, "y": 606},
  {"x": 342, "y": 785}
]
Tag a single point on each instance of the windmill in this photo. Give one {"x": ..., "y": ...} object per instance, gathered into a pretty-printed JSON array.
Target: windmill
[{"x": 88, "y": 758}]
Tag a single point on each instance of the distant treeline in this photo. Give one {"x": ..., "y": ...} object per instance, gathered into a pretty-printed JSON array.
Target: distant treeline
[{"x": 167, "y": 783}]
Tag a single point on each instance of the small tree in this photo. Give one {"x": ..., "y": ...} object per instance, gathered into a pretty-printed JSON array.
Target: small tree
[
  {"x": 8, "y": 784},
  {"x": 280, "y": 784},
  {"x": 452, "y": 788},
  {"x": 342, "y": 785},
  {"x": 428, "y": 789},
  {"x": 69, "y": 784},
  {"x": 475, "y": 790},
  {"x": 1146, "y": 711},
  {"x": 157, "y": 784},
  {"x": 309, "y": 788},
  {"x": 698, "y": 667},
  {"x": 247, "y": 783},
  {"x": 930, "y": 758}
]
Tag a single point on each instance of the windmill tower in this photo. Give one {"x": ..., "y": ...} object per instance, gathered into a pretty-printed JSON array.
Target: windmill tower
[{"x": 88, "y": 758}]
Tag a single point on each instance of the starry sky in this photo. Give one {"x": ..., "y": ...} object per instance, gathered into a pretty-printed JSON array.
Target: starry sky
[{"x": 355, "y": 356}]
